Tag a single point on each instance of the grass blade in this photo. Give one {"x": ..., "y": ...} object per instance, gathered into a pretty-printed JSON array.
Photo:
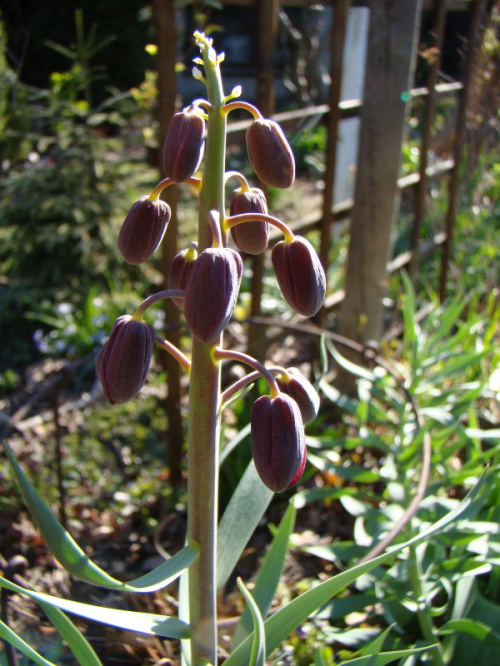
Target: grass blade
[
  {"x": 72, "y": 557},
  {"x": 258, "y": 653},
  {"x": 11, "y": 637},
  {"x": 242, "y": 515},
  {"x": 386, "y": 657},
  {"x": 145, "y": 623},
  {"x": 76, "y": 641},
  {"x": 269, "y": 575},
  {"x": 285, "y": 620}
]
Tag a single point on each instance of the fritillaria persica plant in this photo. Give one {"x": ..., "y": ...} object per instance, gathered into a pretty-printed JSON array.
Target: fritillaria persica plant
[{"x": 204, "y": 281}]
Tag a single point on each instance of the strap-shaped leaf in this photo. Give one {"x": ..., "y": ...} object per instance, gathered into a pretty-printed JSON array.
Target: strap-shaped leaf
[
  {"x": 284, "y": 621},
  {"x": 145, "y": 623},
  {"x": 386, "y": 657},
  {"x": 76, "y": 641},
  {"x": 258, "y": 654},
  {"x": 73, "y": 559},
  {"x": 11, "y": 637},
  {"x": 477, "y": 630},
  {"x": 269, "y": 574},
  {"x": 242, "y": 515}
]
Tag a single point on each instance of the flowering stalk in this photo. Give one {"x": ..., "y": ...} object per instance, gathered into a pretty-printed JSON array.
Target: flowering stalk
[
  {"x": 204, "y": 396},
  {"x": 204, "y": 281}
]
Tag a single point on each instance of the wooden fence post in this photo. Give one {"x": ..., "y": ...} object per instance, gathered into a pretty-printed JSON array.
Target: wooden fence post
[
  {"x": 392, "y": 40},
  {"x": 339, "y": 27},
  {"x": 166, "y": 35},
  {"x": 430, "y": 105},
  {"x": 267, "y": 23},
  {"x": 476, "y": 14}
]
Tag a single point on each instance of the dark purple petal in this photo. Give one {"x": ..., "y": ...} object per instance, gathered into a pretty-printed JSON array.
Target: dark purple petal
[
  {"x": 212, "y": 291},
  {"x": 124, "y": 360},
  {"x": 143, "y": 229},
  {"x": 278, "y": 441},
  {"x": 300, "y": 275}
]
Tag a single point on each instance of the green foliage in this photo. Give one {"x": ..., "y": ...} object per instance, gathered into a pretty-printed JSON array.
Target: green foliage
[
  {"x": 309, "y": 149},
  {"x": 433, "y": 595},
  {"x": 442, "y": 369}
]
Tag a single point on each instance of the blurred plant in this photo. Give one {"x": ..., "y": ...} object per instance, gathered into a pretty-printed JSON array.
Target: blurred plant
[
  {"x": 80, "y": 77},
  {"x": 309, "y": 147},
  {"x": 208, "y": 287},
  {"x": 57, "y": 243},
  {"x": 433, "y": 591}
]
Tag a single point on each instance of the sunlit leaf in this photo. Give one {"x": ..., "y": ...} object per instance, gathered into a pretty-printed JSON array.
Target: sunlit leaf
[
  {"x": 11, "y": 637},
  {"x": 353, "y": 368},
  {"x": 258, "y": 653},
  {"x": 285, "y": 620},
  {"x": 76, "y": 641},
  {"x": 478, "y": 630},
  {"x": 242, "y": 515},
  {"x": 478, "y": 433},
  {"x": 145, "y": 623},
  {"x": 76, "y": 562},
  {"x": 386, "y": 657},
  {"x": 338, "y": 398},
  {"x": 269, "y": 574}
]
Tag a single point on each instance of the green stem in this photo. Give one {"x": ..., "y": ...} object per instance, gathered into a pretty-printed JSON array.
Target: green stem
[{"x": 204, "y": 398}]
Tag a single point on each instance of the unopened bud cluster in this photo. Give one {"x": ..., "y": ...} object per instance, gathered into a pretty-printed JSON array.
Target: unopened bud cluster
[{"x": 205, "y": 282}]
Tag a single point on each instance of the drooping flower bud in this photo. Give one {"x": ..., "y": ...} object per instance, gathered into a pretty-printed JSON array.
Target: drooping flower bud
[
  {"x": 180, "y": 270},
  {"x": 270, "y": 154},
  {"x": 123, "y": 362},
  {"x": 278, "y": 441},
  {"x": 293, "y": 383},
  {"x": 143, "y": 229},
  {"x": 184, "y": 145},
  {"x": 250, "y": 237},
  {"x": 300, "y": 275},
  {"x": 212, "y": 291}
]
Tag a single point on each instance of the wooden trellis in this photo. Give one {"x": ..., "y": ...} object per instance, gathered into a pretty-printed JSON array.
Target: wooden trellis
[{"x": 333, "y": 113}]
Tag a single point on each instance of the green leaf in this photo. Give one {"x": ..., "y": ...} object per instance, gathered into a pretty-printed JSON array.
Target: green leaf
[
  {"x": 244, "y": 432},
  {"x": 242, "y": 515},
  {"x": 462, "y": 361},
  {"x": 410, "y": 324},
  {"x": 376, "y": 645},
  {"x": 477, "y": 433},
  {"x": 285, "y": 620},
  {"x": 447, "y": 318},
  {"x": 76, "y": 641},
  {"x": 11, "y": 637},
  {"x": 258, "y": 654},
  {"x": 338, "y": 398},
  {"x": 386, "y": 657},
  {"x": 76, "y": 562},
  {"x": 473, "y": 628},
  {"x": 353, "y": 368},
  {"x": 145, "y": 623},
  {"x": 269, "y": 574}
]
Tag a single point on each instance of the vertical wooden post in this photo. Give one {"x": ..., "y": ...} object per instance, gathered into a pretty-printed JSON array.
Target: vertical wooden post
[
  {"x": 430, "y": 106},
  {"x": 266, "y": 55},
  {"x": 394, "y": 27},
  {"x": 341, "y": 9},
  {"x": 166, "y": 36},
  {"x": 476, "y": 13},
  {"x": 267, "y": 32}
]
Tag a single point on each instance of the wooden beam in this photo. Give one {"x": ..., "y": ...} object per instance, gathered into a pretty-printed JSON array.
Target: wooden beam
[{"x": 392, "y": 45}]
